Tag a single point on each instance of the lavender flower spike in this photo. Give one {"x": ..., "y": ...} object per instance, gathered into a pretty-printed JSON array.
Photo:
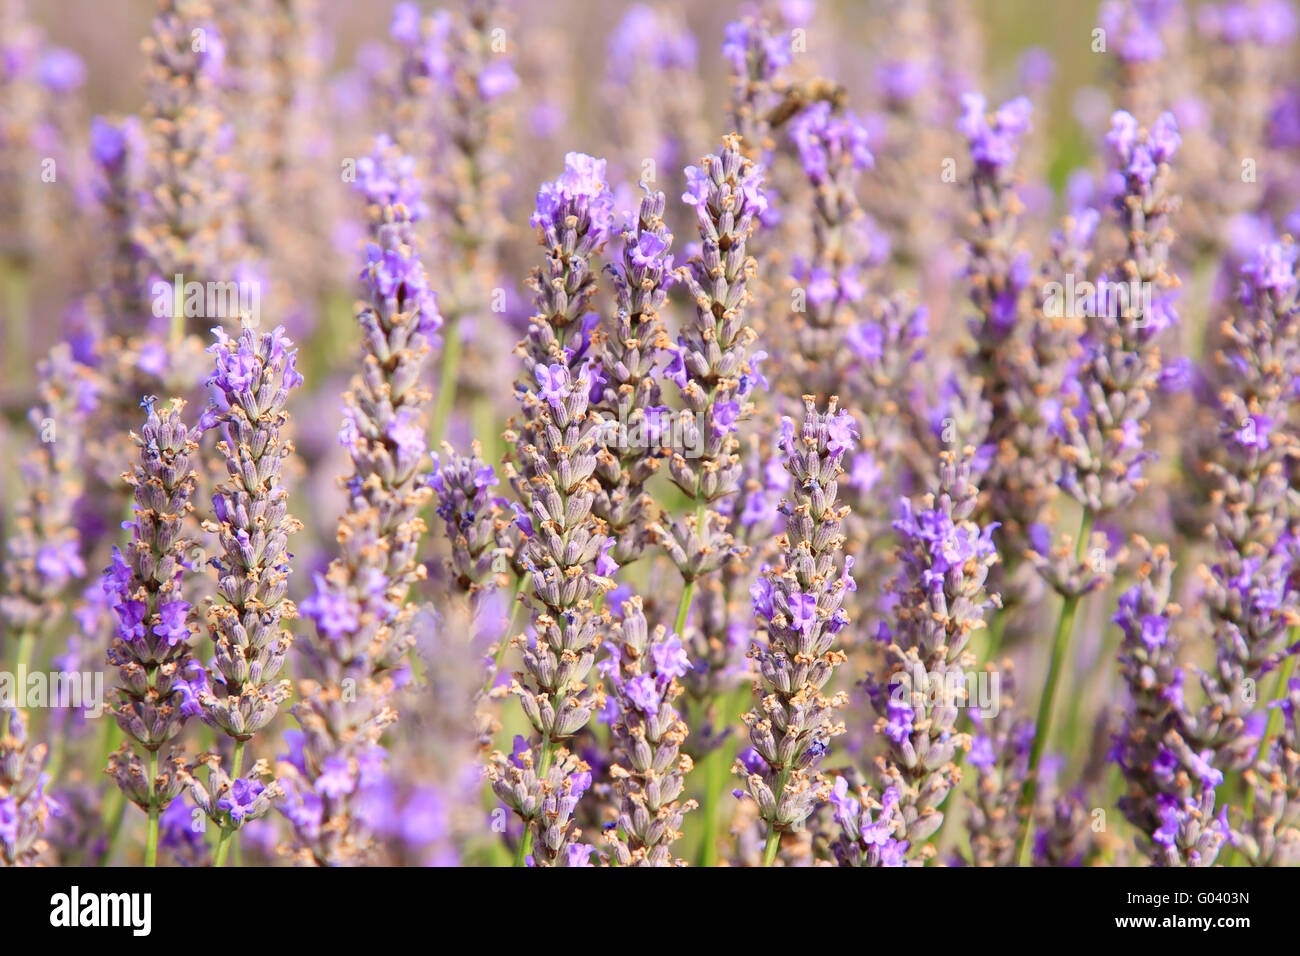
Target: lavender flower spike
[
  {"x": 648, "y": 733},
  {"x": 1250, "y": 589},
  {"x": 711, "y": 366},
  {"x": 253, "y": 378},
  {"x": 1270, "y": 836},
  {"x": 361, "y": 605},
  {"x": 800, "y": 604},
  {"x": 1170, "y": 796},
  {"x": 556, "y": 452},
  {"x": 151, "y": 648},
  {"x": 1103, "y": 451},
  {"x": 25, "y": 808},
  {"x": 43, "y": 554},
  {"x": 944, "y": 560},
  {"x": 474, "y": 518},
  {"x": 630, "y": 391}
]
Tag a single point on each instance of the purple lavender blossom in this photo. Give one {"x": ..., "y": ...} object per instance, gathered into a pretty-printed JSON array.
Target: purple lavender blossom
[
  {"x": 944, "y": 560},
  {"x": 801, "y": 611},
  {"x": 648, "y": 730},
  {"x": 146, "y": 577},
  {"x": 361, "y": 607}
]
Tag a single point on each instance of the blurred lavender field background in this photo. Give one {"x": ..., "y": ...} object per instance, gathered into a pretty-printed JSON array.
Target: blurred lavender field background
[{"x": 574, "y": 433}]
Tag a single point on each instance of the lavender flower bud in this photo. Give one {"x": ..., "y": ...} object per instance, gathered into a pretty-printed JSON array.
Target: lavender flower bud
[
  {"x": 711, "y": 364},
  {"x": 144, "y": 584},
  {"x": 557, "y": 449},
  {"x": 799, "y": 604},
  {"x": 253, "y": 377},
  {"x": 629, "y": 390},
  {"x": 25, "y": 807},
  {"x": 944, "y": 560},
  {"x": 361, "y": 608},
  {"x": 648, "y": 732},
  {"x": 1171, "y": 787}
]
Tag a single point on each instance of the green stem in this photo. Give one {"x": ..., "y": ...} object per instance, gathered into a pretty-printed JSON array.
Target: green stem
[
  {"x": 1043, "y": 725},
  {"x": 151, "y": 839},
  {"x": 773, "y": 844},
  {"x": 504, "y": 643},
  {"x": 996, "y": 630},
  {"x": 684, "y": 608},
  {"x": 26, "y": 643},
  {"x": 223, "y": 842},
  {"x": 715, "y": 787},
  {"x": 17, "y": 297},
  {"x": 448, "y": 370}
]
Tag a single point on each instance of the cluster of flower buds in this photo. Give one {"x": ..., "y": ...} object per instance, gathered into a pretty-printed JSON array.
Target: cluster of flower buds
[
  {"x": 229, "y": 802},
  {"x": 43, "y": 553},
  {"x": 628, "y": 389},
  {"x": 832, "y": 148},
  {"x": 711, "y": 365},
  {"x": 757, "y": 57},
  {"x": 1000, "y": 747},
  {"x": 564, "y": 548},
  {"x": 1102, "y": 446},
  {"x": 189, "y": 228},
  {"x": 648, "y": 732},
  {"x": 1270, "y": 834},
  {"x": 151, "y": 648},
  {"x": 360, "y": 606},
  {"x": 25, "y": 807},
  {"x": 940, "y": 599},
  {"x": 998, "y": 271},
  {"x": 476, "y": 519},
  {"x": 253, "y": 378},
  {"x": 800, "y": 606},
  {"x": 1171, "y": 788},
  {"x": 1250, "y": 588}
]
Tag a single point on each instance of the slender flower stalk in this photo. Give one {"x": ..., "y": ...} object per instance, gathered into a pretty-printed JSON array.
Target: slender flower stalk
[
  {"x": 557, "y": 448},
  {"x": 800, "y": 605},
  {"x": 238, "y": 696},
  {"x": 361, "y": 605},
  {"x": 144, "y": 584},
  {"x": 648, "y": 732}
]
